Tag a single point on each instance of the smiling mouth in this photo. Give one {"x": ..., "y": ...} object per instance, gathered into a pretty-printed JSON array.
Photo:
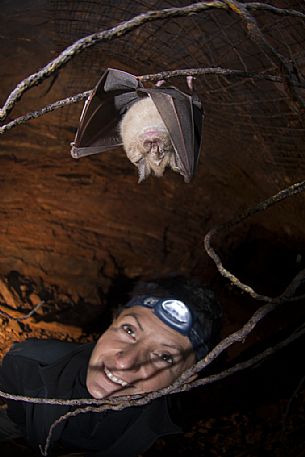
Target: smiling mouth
[{"x": 114, "y": 378}]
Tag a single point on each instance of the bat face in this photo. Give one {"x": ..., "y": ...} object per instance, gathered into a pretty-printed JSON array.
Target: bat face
[{"x": 146, "y": 139}]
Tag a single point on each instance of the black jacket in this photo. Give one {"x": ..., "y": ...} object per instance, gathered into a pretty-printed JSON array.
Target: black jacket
[{"x": 56, "y": 369}]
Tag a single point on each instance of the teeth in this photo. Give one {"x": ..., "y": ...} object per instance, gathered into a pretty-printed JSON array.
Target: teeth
[{"x": 114, "y": 378}]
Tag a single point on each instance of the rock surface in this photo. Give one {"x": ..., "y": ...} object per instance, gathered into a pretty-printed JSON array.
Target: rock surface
[{"x": 76, "y": 224}]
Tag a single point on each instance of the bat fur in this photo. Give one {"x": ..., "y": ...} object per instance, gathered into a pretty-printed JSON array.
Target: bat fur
[{"x": 146, "y": 139}]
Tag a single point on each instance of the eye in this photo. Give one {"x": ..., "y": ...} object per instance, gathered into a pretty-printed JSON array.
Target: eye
[
  {"x": 168, "y": 358},
  {"x": 129, "y": 330}
]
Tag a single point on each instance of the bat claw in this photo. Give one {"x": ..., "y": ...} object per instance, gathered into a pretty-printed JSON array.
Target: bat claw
[{"x": 190, "y": 82}]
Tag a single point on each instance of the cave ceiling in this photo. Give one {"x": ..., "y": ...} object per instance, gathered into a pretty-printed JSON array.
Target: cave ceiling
[{"x": 77, "y": 224}]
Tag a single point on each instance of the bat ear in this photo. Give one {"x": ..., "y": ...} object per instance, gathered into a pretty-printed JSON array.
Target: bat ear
[
  {"x": 98, "y": 129},
  {"x": 182, "y": 116}
]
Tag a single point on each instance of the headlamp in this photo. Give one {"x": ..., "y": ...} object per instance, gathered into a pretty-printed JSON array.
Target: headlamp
[{"x": 177, "y": 315}]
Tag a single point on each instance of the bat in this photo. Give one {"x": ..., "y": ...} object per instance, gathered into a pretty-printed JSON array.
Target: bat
[
  {"x": 158, "y": 127},
  {"x": 146, "y": 139}
]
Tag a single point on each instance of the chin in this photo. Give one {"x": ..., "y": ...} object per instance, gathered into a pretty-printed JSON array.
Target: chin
[{"x": 98, "y": 391}]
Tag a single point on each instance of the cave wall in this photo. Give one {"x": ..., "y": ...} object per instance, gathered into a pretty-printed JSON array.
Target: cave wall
[{"x": 79, "y": 224}]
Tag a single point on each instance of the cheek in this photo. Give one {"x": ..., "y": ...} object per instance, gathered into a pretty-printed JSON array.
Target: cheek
[
  {"x": 160, "y": 380},
  {"x": 102, "y": 347},
  {"x": 168, "y": 376},
  {"x": 164, "y": 381}
]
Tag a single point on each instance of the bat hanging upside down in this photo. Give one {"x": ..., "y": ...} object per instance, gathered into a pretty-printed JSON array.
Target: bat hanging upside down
[
  {"x": 157, "y": 127},
  {"x": 146, "y": 139}
]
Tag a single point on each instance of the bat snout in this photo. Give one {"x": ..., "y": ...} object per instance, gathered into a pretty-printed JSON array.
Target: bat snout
[
  {"x": 153, "y": 140},
  {"x": 154, "y": 146}
]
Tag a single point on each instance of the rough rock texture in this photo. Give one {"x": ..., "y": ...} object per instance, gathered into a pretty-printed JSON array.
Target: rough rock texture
[{"x": 77, "y": 223}]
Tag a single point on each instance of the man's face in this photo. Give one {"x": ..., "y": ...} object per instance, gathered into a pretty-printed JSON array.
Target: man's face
[{"x": 138, "y": 353}]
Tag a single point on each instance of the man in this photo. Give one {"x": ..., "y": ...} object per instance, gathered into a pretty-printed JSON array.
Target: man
[{"x": 166, "y": 326}]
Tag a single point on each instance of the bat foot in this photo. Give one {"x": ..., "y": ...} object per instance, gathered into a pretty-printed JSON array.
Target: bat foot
[
  {"x": 160, "y": 83},
  {"x": 190, "y": 82}
]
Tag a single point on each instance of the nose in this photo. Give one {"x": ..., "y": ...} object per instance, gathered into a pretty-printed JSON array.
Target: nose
[
  {"x": 134, "y": 360},
  {"x": 153, "y": 145},
  {"x": 152, "y": 142}
]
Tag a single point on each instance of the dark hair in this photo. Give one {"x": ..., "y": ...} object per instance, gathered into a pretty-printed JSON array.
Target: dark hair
[{"x": 199, "y": 298}]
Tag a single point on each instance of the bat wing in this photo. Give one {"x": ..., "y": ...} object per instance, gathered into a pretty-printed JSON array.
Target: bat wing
[
  {"x": 98, "y": 129},
  {"x": 183, "y": 117}
]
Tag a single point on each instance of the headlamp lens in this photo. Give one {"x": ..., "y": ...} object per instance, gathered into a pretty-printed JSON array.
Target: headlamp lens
[{"x": 177, "y": 311}]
